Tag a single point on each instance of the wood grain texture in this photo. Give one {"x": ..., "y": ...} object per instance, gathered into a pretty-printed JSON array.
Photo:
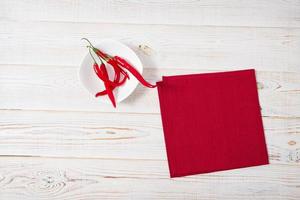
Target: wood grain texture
[
  {"x": 58, "y": 88},
  {"x": 117, "y": 136},
  {"x": 203, "y": 47},
  {"x": 36, "y": 178},
  {"x": 187, "y": 12},
  {"x": 57, "y": 142}
]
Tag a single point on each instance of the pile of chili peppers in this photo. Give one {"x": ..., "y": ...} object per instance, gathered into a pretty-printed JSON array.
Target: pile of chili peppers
[{"x": 120, "y": 67}]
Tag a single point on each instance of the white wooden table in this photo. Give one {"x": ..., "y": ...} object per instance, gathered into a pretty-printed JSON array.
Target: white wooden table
[{"x": 58, "y": 142}]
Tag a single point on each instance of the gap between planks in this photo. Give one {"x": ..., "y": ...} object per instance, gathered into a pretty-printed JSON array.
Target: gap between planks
[{"x": 120, "y": 113}]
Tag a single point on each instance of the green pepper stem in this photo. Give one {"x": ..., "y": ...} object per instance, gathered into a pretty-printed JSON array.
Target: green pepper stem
[
  {"x": 88, "y": 42},
  {"x": 102, "y": 60},
  {"x": 92, "y": 55}
]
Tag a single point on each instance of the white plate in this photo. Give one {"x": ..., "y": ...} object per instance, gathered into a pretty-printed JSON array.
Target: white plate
[{"x": 94, "y": 85}]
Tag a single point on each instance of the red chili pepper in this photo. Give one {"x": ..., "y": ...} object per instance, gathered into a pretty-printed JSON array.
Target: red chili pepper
[
  {"x": 107, "y": 85},
  {"x": 102, "y": 93},
  {"x": 118, "y": 64},
  {"x": 114, "y": 64},
  {"x": 103, "y": 55},
  {"x": 113, "y": 84},
  {"x": 100, "y": 75},
  {"x": 109, "y": 59},
  {"x": 117, "y": 70},
  {"x": 98, "y": 72},
  {"x": 103, "y": 75},
  {"x": 133, "y": 71}
]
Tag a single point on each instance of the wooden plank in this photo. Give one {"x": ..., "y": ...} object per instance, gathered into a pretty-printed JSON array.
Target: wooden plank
[
  {"x": 58, "y": 88},
  {"x": 118, "y": 136},
  {"x": 221, "y": 48},
  {"x": 41, "y": 178},
  {"x": 187, "y": 12},
  {"x": 57, "y": 142}
]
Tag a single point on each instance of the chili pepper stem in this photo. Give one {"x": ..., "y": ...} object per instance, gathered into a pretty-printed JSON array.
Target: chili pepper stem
[
  {"x": 101, "y": 59},
  {"x": 94, "y": 48},
  {"x": 88, "y": 42},
  {"x": 106, "y": 59},
  {"x": 92, "y": 55}
]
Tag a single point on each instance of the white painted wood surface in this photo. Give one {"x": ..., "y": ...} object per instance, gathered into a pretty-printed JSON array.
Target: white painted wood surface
[{"x": 57, "y": 142}]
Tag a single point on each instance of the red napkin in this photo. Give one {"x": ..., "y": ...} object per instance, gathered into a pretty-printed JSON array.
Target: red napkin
[{"x": 212, "y": 122}]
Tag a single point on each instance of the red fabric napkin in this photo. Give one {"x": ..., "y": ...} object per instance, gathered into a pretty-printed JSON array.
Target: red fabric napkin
[{"x": 212, "y": 122}]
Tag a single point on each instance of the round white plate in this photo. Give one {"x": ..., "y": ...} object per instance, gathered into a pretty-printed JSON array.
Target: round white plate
[{"x": 94, "y": 85}]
